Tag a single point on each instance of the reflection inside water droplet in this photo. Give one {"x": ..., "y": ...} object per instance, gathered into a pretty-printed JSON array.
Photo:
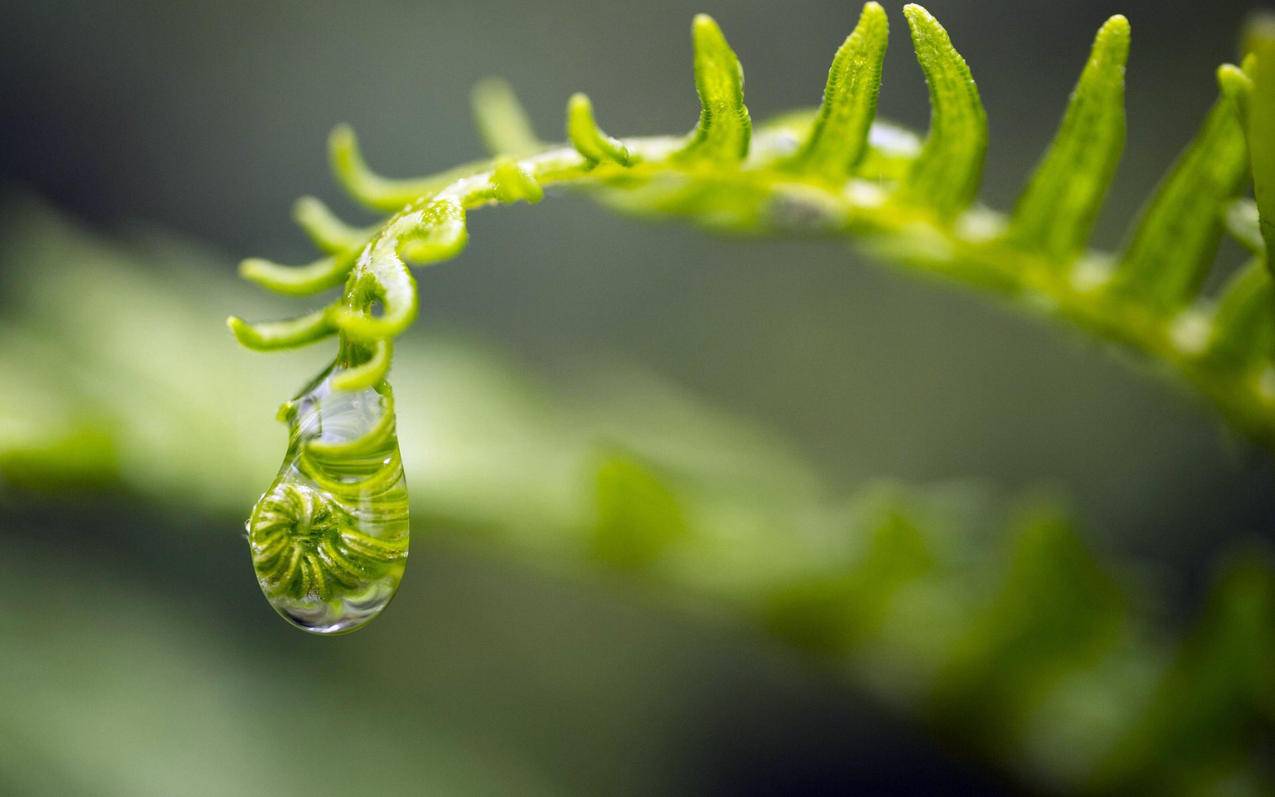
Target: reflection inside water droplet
[{"x": 329, "y": 538}]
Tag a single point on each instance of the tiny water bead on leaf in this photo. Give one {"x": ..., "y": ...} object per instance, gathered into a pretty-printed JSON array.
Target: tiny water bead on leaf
[{"x": 329, "y": 537}]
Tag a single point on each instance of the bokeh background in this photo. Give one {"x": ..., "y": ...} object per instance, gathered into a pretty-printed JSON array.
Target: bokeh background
[{"x": 149, "y": 145}]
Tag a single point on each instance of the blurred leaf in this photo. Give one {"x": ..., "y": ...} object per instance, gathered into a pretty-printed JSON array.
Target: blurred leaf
[
  {"x": 1056, "y": 610},
  {"x": 639, "y": 516},
  {"x": 833, "y": 612},
  {"x": 1208, "y": 700},
  {"x": 1023, "y": 651},
  {"x": 169, "y": 702}
]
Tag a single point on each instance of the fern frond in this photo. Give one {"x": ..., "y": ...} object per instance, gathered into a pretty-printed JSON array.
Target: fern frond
[
  {"x": 837, "y": 170},
  {"x": 328, "y": 232},
  {"x": 501, "y": 120},
  {"x": 1056, "y": 212},
  {"x": 373, "y": 370},
  {"x": 588, "y": 139},
  {"x": 289, "y": 334},
  {"x": 839, "y": 136},
  {"x": 724, "y": 127},
  {"x": 316, "y": 277},
  {"x": 947, "y": 173},
  {"x": 1261, "y": 124},
  {"x": 1174, "y": 244}
]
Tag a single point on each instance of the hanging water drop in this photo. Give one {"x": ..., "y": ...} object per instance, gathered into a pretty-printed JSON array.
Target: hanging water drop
[{"x": 329, "y": 537}]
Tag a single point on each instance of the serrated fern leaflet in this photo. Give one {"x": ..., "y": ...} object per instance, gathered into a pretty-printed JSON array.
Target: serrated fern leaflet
[{"x": 837, "y": 170}]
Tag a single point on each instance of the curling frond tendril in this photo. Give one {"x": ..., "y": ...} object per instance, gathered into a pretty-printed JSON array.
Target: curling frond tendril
[{"x": 837, "y": 170}]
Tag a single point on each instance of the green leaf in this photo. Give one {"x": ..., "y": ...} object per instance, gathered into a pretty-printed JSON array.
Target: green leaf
[
  {"x": 326, "y": 272},
  {"x": 1261, "y": 127},
  {"x": 328, "y": 232},
  {"x": 947, "y": 173},
  {"x": 381, "y": 277},
  {"x": 638, "y": 516},
  {"x": 835, "y": 612},
  {"x": 1238, "y": 87},
  {"x": 511, "y": 183},
  {"x": 724, "y": 127},
  {"x": 1175, "y": 241},
  {"x": 790, "y": 182},
  {"x": 371, "y": 372},
  {"x": 1209, "y": 696},
  {"x": 80, "y": 451},
  {"x": 440, "y": 235},
  {"x": 501, "y": 120},
  {"x": 1244, "y": 321},
  {"x": 1058, "y": 609},
  {"x": 839, "y": 137},
  {"x": 289, "y": 334},
  {"x": 1056, "y": 212},
  {"x": 588, "y": 139},
  {"x": 375, "y": 191}
]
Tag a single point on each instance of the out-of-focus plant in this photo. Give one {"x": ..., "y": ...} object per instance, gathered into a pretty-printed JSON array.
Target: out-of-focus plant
[
  {"x": 998, "y": 625},
  {"x": 992, "y": 620},
  {"x": 838, "y": 171}
]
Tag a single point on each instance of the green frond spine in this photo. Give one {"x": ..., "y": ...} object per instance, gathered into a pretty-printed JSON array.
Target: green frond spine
[
  {"x": 1243, "y": 328},
  {"x": 725, "y": 128},
  {"x": 501, "y": 120},
  {"x": 369, "y": 373},
  {"x": 511, "y": 183},
  {"x": 326, "y": 272},
  {"x": 277, "y": 335},
  {"x": 1174, "y": 243},
  {"x": 328, "y": 232},
  {"x": 440, "y": 235},
  {"x": 1261, "y": 128},
  {"x": 903, "y": 200},
  {"x": 381, "y": 277},
  {"x": 1238, "y": 87},
  {"x": 947, "y": 173},
  {"x": 373, "y": 190},
  {"x": 588, "y": 139},
  {"x": 839, "y": 136},
  {"x": 362, "y": 325},
  {"x": 1057, "y": 210}
]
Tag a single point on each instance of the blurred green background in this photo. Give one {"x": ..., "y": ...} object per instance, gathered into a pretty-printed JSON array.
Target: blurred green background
[{"x": 779, "y": 615}]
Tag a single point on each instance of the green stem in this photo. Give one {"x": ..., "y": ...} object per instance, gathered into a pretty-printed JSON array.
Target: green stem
[{"x": 971, "y": 251}]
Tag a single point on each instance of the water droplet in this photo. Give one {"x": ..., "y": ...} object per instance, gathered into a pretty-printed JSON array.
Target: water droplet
[{"x": 329, "y": 537}]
